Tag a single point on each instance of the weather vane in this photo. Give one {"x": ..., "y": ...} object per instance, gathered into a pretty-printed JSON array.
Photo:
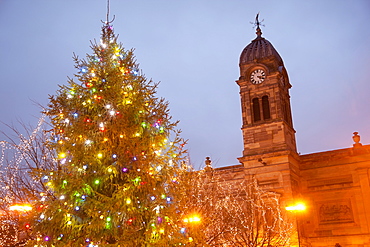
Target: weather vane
[{"x": 257, "y": 23}]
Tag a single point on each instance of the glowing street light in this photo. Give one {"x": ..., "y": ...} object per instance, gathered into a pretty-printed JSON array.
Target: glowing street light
[
  {"x": 20, "y": 207},
  {"x": 300, "y": 206},
  {"x": 192, "y": 219}
]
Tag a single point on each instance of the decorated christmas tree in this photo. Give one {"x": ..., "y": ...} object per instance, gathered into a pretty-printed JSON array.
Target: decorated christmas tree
[{"x": 118, "y": 158}]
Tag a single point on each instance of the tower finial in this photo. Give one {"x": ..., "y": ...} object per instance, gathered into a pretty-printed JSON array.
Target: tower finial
[{"x": 257, "y": 24}]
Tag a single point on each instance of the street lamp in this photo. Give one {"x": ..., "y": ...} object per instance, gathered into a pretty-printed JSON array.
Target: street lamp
[
  {"x": 192, "y": 219},
  {"x": 297, "y": 208},
  {"x": 20, "y": 207}
]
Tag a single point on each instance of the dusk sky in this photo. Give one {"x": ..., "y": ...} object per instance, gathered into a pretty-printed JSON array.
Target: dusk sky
[{"x": 192, "y": 47}]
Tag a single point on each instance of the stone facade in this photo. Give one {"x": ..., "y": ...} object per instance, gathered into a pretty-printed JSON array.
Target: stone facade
[{"x": 335, "y": 185}]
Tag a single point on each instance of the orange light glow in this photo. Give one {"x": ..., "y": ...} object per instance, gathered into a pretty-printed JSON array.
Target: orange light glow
[
  {"x": 300, "y": 206},
  {"x": 20, "y": 207},
  {"x": 192, "y": 219}
]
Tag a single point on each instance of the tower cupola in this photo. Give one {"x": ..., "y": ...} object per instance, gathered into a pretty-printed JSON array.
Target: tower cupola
[{"x": 259, "y": 49}]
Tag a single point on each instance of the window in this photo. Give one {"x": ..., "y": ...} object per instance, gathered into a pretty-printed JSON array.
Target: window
[
  {"x": 256, "y": 110},
  {"x": 266, "y": 107}
]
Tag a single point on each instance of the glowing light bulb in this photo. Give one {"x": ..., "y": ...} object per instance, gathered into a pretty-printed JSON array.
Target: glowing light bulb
[
  {"x": 62, "y": 155},
  {"x": 159, "y": 220},
  {"x": 83, "y": 69},
  {"x": 100, "y": 155},
  {"x": 128, "y": 201},
  {"x": 101, "y": 127},
  {"x": 97, "y": 181}
]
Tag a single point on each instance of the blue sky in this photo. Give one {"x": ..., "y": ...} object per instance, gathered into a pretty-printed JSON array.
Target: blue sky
[{"x": 193, "y": 48}]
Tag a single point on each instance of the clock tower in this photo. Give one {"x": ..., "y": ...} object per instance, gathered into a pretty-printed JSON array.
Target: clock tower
[
  {"x": 264, "y": 90},
  {"x": 270, "y": 153}
]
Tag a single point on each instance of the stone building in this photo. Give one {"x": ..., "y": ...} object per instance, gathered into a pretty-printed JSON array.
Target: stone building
[{"x": 334, "y": 185}]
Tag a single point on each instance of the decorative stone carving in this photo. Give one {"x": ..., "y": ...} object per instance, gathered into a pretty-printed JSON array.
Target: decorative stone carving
[{"x": 335, "y": 212}]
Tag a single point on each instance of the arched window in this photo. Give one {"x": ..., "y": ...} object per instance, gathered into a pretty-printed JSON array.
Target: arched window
[
  {"x": 256, "y": 110},
  {"x": 266, "y": 107}
]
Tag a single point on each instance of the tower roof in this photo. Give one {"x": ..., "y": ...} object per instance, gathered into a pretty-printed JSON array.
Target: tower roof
[{"x": 258, "y": 49}]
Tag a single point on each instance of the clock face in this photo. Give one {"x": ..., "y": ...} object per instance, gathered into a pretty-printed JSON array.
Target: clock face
[{"x": 258, "y": 76}]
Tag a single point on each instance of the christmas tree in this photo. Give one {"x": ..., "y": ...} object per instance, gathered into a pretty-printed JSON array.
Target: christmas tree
[{"x": 118, "y": 158}]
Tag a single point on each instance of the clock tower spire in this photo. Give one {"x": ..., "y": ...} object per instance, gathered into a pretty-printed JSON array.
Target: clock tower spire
[{"x": 264, "y": 90}]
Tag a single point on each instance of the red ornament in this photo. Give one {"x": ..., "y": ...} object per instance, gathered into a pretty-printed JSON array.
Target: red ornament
[
  {"x": 130, "y": 221},
  {"x": 89, "y": 84},
  {"x": 27, "y": 226}
]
